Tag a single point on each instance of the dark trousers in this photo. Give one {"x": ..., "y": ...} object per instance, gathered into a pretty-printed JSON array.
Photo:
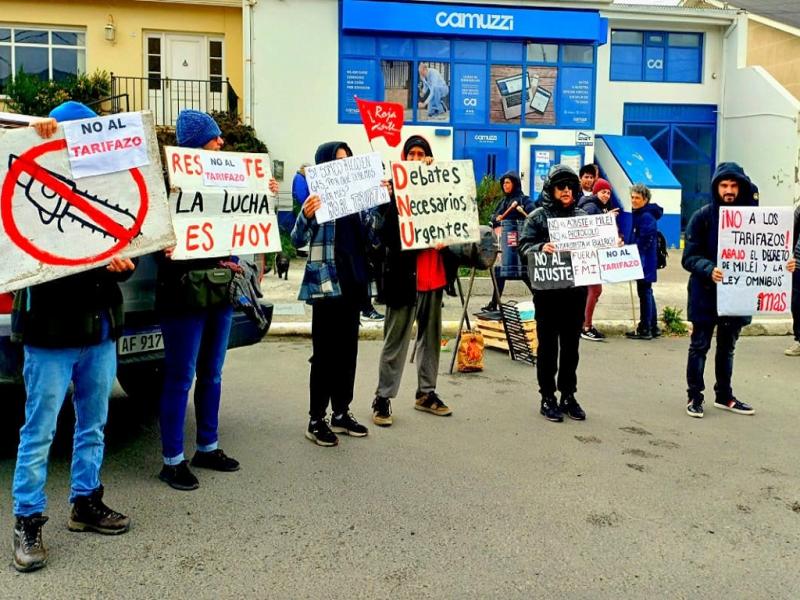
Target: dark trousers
[
  {"x": 648, "y": 313},
  {"x": 334, "y": 339},
  {"x": 796, "y": 305},
  {"x": 559, "y": 319},
  {"x": 727, "y": 334}
]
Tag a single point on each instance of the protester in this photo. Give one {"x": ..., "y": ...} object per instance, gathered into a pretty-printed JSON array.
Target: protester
[
  {"x": 559, "y": 312},
  {"x": 196, "y": 332},
  {"x": 587, "y": 174},
  {"x": 794, "y": 349},
  {"x": 68, "y": 328},
  {"x": 434, "y": 89},
  {"x": 729, "y": 186},
  {"x": 644, "y": 234},
  {"x": 335, "y": 283},
  {"x": 414, "y": 283},
  {"x": 299, "y": 194},
  {"x": 597, "y": 204},
  {"x": 513, "y": 206}
]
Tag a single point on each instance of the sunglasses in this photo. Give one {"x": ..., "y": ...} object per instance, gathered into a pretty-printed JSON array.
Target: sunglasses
[{"x": 561, "y": 186}]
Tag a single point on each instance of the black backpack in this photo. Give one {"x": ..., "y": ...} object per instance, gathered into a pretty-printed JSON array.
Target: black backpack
[{"x": 661, "y": 251}]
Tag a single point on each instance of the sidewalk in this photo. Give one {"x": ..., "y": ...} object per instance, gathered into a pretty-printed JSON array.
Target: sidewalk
[{"x": 613, "y": 314}]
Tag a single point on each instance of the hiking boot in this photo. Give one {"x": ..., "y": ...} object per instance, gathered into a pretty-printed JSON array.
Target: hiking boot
[
  {"x": 89, "y": 513},
  {"x": 694, "y": 408},
  {"x": 29, "y": 551},
  {"x": 215, "y": 460},
  {"x": 549, "y": 409},
  {"x": 570, "y": 407},
  {"x": 372, "y": 315},
  {"x": 382, "y": 411},
  {"x": 347, "y": 423},
  {"x": 793, "y": 350},
  {"x": 733, "y": 405},
  {"x": 430, "y": 402},
  {"x": 639, "y": 334},
  {"x": 319, "y": 433},
  {"x": 592, "y": 335},
  {"x": 179, "y": 476}
]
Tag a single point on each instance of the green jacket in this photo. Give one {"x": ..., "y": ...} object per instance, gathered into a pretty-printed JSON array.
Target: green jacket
[{"x": 69, "y": 312}]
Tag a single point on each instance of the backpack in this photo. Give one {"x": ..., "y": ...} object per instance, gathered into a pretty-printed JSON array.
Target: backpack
[{"x": 661, "y": 250}]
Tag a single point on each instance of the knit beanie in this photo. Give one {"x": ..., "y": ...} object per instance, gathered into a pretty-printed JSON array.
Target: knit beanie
[
  {"x": 600, "y": 184},
  {"x": 195, "y": 129},
  {"x": 71, "y": 111},
  {"x": 419, "y": 142}
]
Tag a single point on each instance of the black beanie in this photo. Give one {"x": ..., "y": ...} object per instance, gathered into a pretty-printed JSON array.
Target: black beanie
[{"x": 418, "y": 141}]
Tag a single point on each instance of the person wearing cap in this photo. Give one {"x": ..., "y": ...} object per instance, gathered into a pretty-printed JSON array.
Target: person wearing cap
[
  {"x": 596, "y": 204},
  {"x": 195, "y": 342},
  {"x": 335, "y": 283},
  {"x": 559, "y": 312},
  {"x": 68, "y": 328},
  {"x": 414, "y": 281}
]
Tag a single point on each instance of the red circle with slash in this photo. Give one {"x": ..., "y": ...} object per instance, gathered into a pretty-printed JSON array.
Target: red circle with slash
[{"x": 26, "y": 163}]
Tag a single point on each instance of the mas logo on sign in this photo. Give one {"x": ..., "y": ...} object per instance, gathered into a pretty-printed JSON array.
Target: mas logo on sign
[{"x": 461, "y": 20}]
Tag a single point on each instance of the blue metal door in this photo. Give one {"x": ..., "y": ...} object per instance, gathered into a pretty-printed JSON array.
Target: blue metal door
[{"x": 492, "y": 152}]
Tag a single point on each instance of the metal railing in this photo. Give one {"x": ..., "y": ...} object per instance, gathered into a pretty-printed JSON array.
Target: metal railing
[{"x": 166, "y": 97}]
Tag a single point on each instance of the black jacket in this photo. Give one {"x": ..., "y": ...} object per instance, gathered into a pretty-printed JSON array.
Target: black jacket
[
  {"x": 517, "y": 196},
  {"x": 592, "y": 205},
  {"x": 69, "y": 312},
  {"x": 700, "y": 249}
]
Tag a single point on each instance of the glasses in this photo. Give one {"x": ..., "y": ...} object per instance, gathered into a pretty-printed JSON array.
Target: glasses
[{"x": 561, "y": 186}]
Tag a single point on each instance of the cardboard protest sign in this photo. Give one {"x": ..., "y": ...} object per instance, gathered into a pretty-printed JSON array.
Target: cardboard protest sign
[
  {"x": 103, "y": 145},
  {"x": 585, "y": 267},
  {"x": 550, "y": 271},
  {"x": 348, "y": 185},
  {"x": 620, "y": 264},
  {"x": 584, "y": 235},
  {"x": 221, "y": 203},
  {"x": 754, "y": 246},
  {"x": 436, "y": 203},
  {"x": 53, "y": 226}
]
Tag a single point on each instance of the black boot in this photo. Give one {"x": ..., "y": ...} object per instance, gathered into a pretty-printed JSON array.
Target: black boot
[
  {"x": 89, "y": 513},
  {"x": 570, "y": 407},
  {"x": 639, "y": 334},
  {"x": 29, "y": 551},
  {"x": 549, "y": 409}
]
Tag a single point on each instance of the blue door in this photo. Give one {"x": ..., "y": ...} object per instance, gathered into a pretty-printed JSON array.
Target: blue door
[
  {"x": 685, "y": 138},
  {"x": 492, "y": 152}
]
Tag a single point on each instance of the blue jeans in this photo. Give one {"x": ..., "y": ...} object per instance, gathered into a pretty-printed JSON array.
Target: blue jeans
[
  {"x": 47, "y": 374},
  {"x": 648, "y": 313},
  {"x": 727, "y": 335},
  {"x": 194, "y": 342},
  {"x": 436, "y": 106}
]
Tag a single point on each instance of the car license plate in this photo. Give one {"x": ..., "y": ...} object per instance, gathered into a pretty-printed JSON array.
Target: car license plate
[{"x": 148, "y": 341}]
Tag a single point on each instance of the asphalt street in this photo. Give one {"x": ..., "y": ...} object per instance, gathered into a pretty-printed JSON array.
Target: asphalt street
[{"x": 639, "y": 501}]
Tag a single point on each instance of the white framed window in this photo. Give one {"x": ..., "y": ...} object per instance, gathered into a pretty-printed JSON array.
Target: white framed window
[{"x": 48, "y": 52}]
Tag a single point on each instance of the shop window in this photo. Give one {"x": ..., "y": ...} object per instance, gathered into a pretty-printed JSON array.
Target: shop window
[
  {"x": 577, "y": 55},
  {"x": 504, "y": 51},
  {"x": 399, "y": 47},
  {"x": 398, "y": 76},
  {"x": 543, "y": 53},
  {"x": 433, "y": 49},
  {"x": 54, "y": 54},
  {"x": 433, "y": 94},
  {"x": 463, "y": 50},
  {"x": 656, "y": 56},
  {"x": 356, "y": 44}
]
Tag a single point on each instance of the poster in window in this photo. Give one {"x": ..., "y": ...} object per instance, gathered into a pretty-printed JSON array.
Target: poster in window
[
  {"x": 540, "y": 102},
  {"x": 433, "y": 95},
  {"x": 575, "y": 108},
  {"x": 357, "y": 79},
  {"x": 508, "y": 91},
  {"x": 397, "y": 82},
  {"x": 469, "y": 94}
]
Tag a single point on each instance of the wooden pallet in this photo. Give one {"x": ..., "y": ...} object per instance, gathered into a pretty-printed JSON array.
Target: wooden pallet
[{"x": 495, "y": 336}]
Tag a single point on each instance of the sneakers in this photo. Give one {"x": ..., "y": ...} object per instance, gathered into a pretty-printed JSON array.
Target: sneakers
[
  {"x": 382, "y": 411},
  {"x": 346, "y": 423},
  {"x": 179, "y": 477},
  {"x": 694, "y": 408},
  {"x": 639, "y": 334},
  {"x": 372, "y": 315},
  {"x": 29, "y": 551},
  {"x": 89, "y": 513},
  {"x": 550, "y": 410},
  {"x": 656, "y": 332},
  {"x": 430, "y": 402},
  {"x": 793, "y": 350},
  {"x": 319, "y": 433},
  {"x": 734, "y": 405},
  {"x": 570, "y": 407},
  {"x": 216, "y": 460},
  {"x": 592, "y": 335}
]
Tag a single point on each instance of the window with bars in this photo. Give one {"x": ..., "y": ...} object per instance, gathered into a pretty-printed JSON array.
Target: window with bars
[{"x": 47, "y": 53}]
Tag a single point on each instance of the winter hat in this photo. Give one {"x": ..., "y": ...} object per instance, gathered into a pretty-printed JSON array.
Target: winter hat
[
  {"x": 327, "y": 152},
  {"x": 195, "y": 129},
  {"x": 416, "y": 141},
  {"x": 71, "y": 111},
  {"x": 600, "y": 184}
]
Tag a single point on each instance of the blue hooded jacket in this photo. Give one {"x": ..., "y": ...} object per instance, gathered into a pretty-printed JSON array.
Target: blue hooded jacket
[
  {"x": 644, "y": 234},
  {"x": 700, "y": 249},
  {"x": 517, "y": 196}
]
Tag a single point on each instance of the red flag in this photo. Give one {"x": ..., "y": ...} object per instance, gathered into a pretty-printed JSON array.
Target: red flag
[{"x": 382, "y": 119}]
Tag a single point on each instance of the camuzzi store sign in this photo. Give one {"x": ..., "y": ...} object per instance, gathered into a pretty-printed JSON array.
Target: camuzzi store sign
[{"x": 472, "y": 21}]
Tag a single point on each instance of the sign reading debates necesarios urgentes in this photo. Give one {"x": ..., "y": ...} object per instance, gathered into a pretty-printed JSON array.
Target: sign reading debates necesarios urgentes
[{"x": 435, "y": 203}]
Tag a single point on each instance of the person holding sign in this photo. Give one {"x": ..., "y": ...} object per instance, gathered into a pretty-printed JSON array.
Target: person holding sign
[
  {"x": 68, "y": 328},
  {"x": 559, "y": 312},
  {"x": 645, "y": 235},
  {"x": 794, "y": 349},
  {"x": 413, "y": 284},
  {"x": 730, "y": 186},
  {"x": 335, "y": 283}
]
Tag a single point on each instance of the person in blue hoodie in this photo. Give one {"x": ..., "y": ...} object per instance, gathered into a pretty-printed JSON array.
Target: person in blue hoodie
[
  {"x": 513, "y": 206},
  {"x": 730, "y": 186},
  {"x": 644, "y": 233}
]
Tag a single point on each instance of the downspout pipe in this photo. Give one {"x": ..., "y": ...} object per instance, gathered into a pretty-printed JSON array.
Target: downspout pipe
[{"x": 247, "y": 38}]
